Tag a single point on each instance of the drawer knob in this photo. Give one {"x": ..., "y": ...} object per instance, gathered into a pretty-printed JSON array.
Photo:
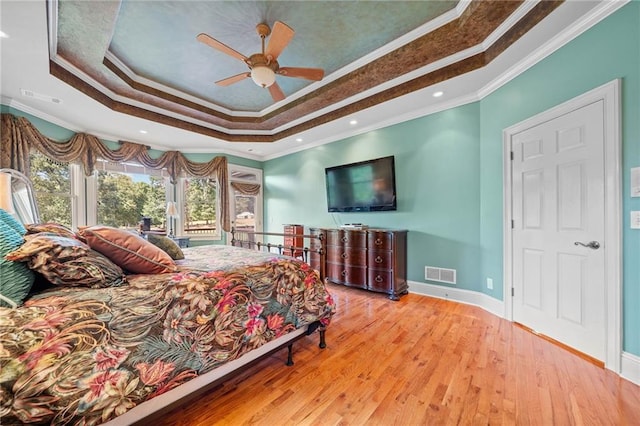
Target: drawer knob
[
  {"x": 378, "y": 279},
  {"x": 344, "y": 239},
  {"x": 344, "y": 273},
  {"x": 343, "y": 255},
  {"x": 378, "y": 259},
  {"x": 378, "y": 242}
]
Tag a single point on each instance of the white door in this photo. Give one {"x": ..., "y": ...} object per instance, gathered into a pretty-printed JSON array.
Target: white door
[{"x": 558, "y": 201}]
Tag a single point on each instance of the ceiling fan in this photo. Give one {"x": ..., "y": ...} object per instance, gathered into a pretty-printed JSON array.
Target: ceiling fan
[{"x": 264, "y": 66}]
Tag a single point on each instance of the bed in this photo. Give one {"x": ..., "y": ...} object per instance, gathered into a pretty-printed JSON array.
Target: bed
[{"x": 78, "y": 355}]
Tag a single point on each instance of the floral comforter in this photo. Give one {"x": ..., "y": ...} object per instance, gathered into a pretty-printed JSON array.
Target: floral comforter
[{"x": 78, "y": 355}]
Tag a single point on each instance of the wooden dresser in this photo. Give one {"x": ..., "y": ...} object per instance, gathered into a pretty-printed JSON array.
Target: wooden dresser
[{"x": 372, "y": 259}]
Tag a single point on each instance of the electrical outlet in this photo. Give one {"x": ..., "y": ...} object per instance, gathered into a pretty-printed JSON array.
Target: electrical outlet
[
  {"x": 490, "y": 283},
  {"x": 635, "y": 220}
]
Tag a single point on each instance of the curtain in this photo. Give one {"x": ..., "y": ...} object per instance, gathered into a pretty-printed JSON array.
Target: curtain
[
  {"x": 246, "y": 188},
  {"x": 19, "y": 136}
]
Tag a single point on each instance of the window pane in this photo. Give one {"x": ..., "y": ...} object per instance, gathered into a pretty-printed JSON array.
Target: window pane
[
  {"x": 125, "y": 198},
  {"x": 245, "y": 212},
  {"x": 200, "y": 206},
  {"x": 52, "y": 186}
]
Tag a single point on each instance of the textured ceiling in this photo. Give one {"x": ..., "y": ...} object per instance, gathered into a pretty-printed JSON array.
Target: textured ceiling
[
  {"x": 157, "y": 39},
  {"x": 142, "y": 59}
]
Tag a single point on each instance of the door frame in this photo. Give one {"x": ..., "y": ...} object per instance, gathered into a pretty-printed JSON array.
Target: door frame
[{"x": 609, "y": 93}]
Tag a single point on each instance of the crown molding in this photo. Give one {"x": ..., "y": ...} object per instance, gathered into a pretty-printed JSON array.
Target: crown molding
[{"x": 593, "y": 17}]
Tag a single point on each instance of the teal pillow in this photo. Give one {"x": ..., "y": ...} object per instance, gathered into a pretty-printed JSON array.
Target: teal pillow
[
  {"x": 12, "y": 222},
  {"x": 16, "y": 278}
]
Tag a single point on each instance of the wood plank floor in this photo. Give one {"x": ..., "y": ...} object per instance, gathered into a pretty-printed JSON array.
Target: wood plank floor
[{"x": 419, "y": 361}]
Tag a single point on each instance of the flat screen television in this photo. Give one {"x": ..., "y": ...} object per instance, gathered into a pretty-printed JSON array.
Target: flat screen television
[{"x": 367, "y": 186}]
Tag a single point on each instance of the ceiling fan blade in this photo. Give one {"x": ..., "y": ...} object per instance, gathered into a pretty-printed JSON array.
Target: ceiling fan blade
[
  {"x": 280, "y": 37},
  {"x": 210, "y": 41},
  {"x": 233, "y": 79},
  {"x": 314, "y": 74},
  {"x": 276, "y": 92}
]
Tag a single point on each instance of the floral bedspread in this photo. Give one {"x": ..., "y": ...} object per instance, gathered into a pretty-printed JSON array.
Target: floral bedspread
[
  {"x": 79, "y": 355},
  {"x": 221, "y": 257}
]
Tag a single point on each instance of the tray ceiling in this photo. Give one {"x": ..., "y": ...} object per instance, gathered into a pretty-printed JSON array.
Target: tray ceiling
[
  {"x": 141, "y": 57},
  {"x": 134, "y": 71}
]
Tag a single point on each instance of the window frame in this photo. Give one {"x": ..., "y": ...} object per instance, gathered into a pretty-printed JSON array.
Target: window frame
[
  {"x": 179, "y": 199},
  {"x": 91, "y": 183},
  {"x": 259, "y": 198},
  {"x": 84, "y": 195},
  {"x": 77, "y": 193}
]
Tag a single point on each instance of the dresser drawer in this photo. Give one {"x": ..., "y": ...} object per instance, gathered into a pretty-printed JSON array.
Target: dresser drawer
[
  {"x": 348, "y": 256},
  {"x": 346, "y": 238},
  {"x": 346, "y": 274},
  {"x": 380, "y": 240},
  {"x": 380, "y": 259},
  {"x": 380, "y": 280}
]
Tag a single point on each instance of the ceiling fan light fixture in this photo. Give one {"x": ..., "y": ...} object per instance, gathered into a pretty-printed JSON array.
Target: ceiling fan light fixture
[{"x": 263, "y": 76}]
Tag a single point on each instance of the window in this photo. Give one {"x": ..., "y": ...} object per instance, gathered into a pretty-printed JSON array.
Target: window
[
  {"x": 198, "y": 198},
  {"x": 246, "y": 202},
  {"x": 245, "y": 212},
  {"x": 125, "y": 193},
  {"x": 52, "y": 184}
]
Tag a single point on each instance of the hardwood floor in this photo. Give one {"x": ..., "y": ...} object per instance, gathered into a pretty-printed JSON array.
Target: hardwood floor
[{"x": 418, "y": 361}]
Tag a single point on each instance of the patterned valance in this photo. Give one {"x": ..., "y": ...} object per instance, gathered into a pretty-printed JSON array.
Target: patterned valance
[
  {"x": 19, "y": 136},
  {"x": 246, "y": 188}
]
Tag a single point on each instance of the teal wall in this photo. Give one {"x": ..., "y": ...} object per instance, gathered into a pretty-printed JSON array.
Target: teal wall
[
  {"x": 449, "y": 166},
  {"x": 437, "y": 181}
]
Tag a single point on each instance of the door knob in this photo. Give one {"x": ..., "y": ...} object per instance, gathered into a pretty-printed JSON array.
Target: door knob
[{"x": 591, "y": 244}]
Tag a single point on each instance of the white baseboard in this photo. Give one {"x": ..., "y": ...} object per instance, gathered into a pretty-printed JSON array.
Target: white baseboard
[
  {"x": 630, "y": 367},
  {"x": 468, "y": 297}
]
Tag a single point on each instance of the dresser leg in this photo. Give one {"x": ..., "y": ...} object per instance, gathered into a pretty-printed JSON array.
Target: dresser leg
[{"x": 394, "y": 297}]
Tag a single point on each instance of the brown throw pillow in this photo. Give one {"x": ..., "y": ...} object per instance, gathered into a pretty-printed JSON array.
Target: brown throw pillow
[
  {"x": 167, "y": 245},
  {"x": 127, "y": 250},
  {"x": 67, "y": 262},
  {"x": 53, "y": 228}
]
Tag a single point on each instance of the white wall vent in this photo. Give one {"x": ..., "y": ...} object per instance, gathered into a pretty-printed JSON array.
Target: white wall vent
[{"x": 443, "y": 275}]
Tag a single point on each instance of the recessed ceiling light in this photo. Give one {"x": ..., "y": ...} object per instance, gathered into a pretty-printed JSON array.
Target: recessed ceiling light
[
  {"x": 144, "y": 132},
  {"x": 353, "y": 122},
  {"x": 3, "y": 34},
  {"x": 298, "y": 139},
  {"x": 438, "y": 94}
]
